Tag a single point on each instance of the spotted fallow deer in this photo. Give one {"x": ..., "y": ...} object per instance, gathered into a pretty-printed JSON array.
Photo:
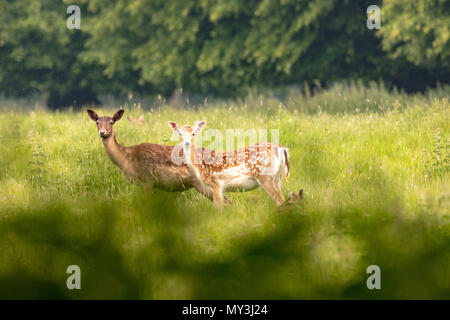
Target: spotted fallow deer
[
  {"x": 244, "y": 169},
  {"x": 150, "y": 163}
]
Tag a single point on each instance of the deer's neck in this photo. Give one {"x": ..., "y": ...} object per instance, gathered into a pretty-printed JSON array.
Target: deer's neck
[
  {"x": 189, "y": 155},
  {"x": 117, "y": 153}
]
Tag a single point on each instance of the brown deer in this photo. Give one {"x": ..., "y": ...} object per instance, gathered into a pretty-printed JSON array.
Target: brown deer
[
  {"x": 293, "y": 198},
  {"x": 239, "y": 170},
  {"x": 150, "y": 163}
]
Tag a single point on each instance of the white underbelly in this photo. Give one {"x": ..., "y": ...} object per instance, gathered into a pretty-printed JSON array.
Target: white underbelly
[{"x": 241, "y": 184}]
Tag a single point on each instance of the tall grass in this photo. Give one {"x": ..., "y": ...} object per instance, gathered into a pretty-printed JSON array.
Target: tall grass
[{"x": 374, "y": 166}]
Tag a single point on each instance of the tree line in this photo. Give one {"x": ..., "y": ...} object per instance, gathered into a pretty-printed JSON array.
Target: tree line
[{"x": 216, "y": 47}]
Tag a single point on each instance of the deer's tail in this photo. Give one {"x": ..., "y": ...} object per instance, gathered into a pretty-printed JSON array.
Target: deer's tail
[{"x": 284, "y": 156}]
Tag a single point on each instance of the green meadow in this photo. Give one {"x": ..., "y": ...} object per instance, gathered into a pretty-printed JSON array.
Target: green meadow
[{"x": 374, "y": 166}]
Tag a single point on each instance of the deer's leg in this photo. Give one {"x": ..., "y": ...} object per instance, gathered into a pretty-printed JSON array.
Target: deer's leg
[
  {"x": 210, "y": 194},
  {"x": 278, "y": 182},
  {"x": 204, "y": 191},
  {"x": 218, "y": 195},
  {"x": 130, "y": 178},
  {"x": 227, "y": 200},
  {"x": 272, "y": 188},
  {"x": 148, "y": 185}
]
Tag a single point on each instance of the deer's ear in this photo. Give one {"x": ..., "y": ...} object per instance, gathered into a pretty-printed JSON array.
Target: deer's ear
[
  {"x": 173, "y": 126},
  {"x": 92, "y": 114},
  {"x": 300, "y": 193},
  {"x": 199, "y": 126},
  {"x": 118, "y": 115}
]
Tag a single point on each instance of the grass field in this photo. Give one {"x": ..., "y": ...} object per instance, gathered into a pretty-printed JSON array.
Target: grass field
[{"x": 374, "y": 166}]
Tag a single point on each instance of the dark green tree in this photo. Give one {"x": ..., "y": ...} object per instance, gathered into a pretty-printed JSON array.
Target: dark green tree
[
  {"x": 226, "y": 46},
  {"x": 216, "y": 46},
  {"x": 418, "y": 31},
  {"x": 416, "y": 36},
  {"x": 39, "y": 54}
]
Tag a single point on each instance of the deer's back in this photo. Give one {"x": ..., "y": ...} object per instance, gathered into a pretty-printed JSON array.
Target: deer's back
[
  {"x": 153, "y": 163},
  {"x": 246, "y": 156},
  {"x": 150, "y": 153},
  {"x": 234, "y": 166}
]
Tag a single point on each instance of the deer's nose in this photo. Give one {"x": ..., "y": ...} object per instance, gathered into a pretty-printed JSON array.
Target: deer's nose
[{"x": 101, "y": 132}]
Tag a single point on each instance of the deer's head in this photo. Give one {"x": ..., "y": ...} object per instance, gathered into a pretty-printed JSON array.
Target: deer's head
[
  {"x": 105, "y": 123},
  {"x": 187, "y": 133},
  {"x": 294, "y": 197}
]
